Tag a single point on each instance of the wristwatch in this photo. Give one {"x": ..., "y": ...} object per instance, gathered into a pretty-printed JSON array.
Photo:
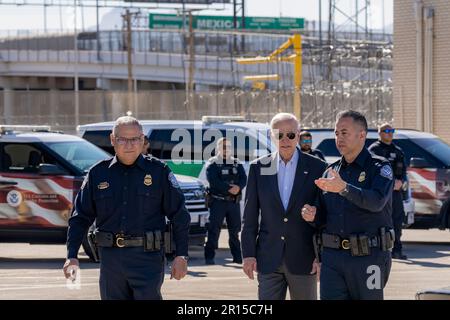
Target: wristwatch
[{"x": 345, "y": 191}]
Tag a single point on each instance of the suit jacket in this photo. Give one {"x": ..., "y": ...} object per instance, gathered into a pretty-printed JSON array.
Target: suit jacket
[{"x": 266, "y": 222}]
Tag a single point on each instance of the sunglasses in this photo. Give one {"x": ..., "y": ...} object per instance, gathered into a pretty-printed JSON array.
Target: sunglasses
[
  {"x": 388, "y": 130},
  {"x": 306, "y": 141},
  {"x": 290, "y": 135}
]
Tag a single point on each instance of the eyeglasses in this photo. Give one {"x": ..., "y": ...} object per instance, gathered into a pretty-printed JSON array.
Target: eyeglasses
[
  {"x": 306, "y": 141},
  {"x": 290, "y": 135},
  {"x": 388, "y": 130},
  {"x": 133, "y": 141}
]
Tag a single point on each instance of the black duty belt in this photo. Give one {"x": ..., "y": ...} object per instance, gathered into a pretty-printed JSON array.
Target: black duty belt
[
  {"x": 151, "y": 241},
  {"x": 336, "y": 242},
  {"x": 359, "y": 245}
]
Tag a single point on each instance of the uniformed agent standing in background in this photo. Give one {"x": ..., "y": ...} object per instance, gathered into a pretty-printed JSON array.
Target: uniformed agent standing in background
[
  {"x": 306, "y": 145},
  {"x": 130, "y": 196},
  {"x": 226, "y": 177},
  {"x": 354, "y": 208},
  {"x": 387, "y": 149}
]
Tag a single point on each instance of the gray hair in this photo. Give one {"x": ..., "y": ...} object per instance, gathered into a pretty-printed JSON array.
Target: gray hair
[
  {"x": 126, "y": 121},
  {"x": 281, "y": 117}
]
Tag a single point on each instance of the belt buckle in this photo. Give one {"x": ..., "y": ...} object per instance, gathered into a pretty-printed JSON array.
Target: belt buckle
[
  {"x": 345, "y": 244},
  {"x": 119, "y": 240}
]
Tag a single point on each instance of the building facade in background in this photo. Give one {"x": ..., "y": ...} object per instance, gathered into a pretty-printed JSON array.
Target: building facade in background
[{"x": 422, "y": 66}]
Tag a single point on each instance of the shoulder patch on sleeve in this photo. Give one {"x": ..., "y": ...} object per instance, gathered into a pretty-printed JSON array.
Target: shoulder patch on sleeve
[
  {"x": 386, "y": 171},
  {"x": 173, "y": 180}
]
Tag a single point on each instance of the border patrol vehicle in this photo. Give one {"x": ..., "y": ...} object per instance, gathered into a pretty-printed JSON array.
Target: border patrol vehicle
[{"x": 41, "y": 172}]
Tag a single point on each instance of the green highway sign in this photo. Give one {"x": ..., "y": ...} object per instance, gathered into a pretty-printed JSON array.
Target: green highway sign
[{"x": 171, "y": 21}]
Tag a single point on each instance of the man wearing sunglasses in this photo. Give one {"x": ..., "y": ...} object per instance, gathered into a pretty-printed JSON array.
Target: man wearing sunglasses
[
  {"x": 129, "y": 196},
  {"x": 306, "y": 145},
  {"x": 276, "y": 242},
  {"x": 386, "y": 148}
]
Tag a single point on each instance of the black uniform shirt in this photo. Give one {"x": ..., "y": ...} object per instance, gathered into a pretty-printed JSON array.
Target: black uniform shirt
[
  {"x": 394, "y": 154},
  {"x": 130, "y": 200},
  {"x": 368, "y": 204},
  {"x": 221, "y": 175}
]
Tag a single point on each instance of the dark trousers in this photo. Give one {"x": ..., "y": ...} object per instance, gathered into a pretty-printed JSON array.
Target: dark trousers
[
  {"x": 343, "y": 277},
  {"x": 131, "y": 274},
  {"x": 231, "y": 211},
  {"x": 398, "y": 215},
  {"x": 273, "y": 286}
]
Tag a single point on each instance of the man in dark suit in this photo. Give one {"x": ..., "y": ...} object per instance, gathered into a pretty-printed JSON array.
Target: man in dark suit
[{"x": 276, "y": 242}]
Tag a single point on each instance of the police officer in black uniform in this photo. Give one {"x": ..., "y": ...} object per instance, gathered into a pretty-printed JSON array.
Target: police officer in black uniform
[
  {"x": 354, "y": 210},
  {"x": 387, "y": 149},
  {"x": 226, "y": 177},
  {"x": 306, "y": 145},
  {"x": 129, "y": 196}
]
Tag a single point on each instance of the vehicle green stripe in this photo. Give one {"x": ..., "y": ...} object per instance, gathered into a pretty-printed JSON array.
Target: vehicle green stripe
[{"x": 192, "y": 169}]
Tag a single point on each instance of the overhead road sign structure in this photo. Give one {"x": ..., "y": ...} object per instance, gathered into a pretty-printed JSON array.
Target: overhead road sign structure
[{"x": 172, "y": 21}]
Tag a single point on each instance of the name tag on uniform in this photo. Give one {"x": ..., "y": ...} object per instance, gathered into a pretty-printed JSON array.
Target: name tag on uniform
[
  {"x": 103, "y": 185},
  {"x": 224, "y": 171}
]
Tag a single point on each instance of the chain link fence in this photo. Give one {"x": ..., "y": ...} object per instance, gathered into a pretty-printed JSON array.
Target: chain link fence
[{"x": 57, "y": 108}]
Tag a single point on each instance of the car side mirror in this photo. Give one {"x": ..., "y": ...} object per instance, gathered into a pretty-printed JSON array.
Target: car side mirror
[
  {"x": 419, "y": 163},
  {"x": 47, "y": 169}
]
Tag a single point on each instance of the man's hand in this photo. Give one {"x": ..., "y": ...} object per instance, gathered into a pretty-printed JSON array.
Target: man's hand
[
  {"x": 249, "y": 267},
  {"x": 398, "y": 184},
  {"x": 309, "y": 213},
  {"x": 316, "y": 269},
  {"x": 333, "y": 184},
  {"x": 179, "y": 268},
  {"x": 70, "y": 267},
  {"x": 234, "y": 190}
]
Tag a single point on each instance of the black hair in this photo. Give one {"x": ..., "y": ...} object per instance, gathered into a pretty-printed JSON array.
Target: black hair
[{"x": 357, "y": 117}]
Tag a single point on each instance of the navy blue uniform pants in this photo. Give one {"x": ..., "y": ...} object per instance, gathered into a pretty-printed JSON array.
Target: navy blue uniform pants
[
  {"x": 343, "y": 277},
  {"x": 398, "y": 215},
  {"x": 131, "y": 274},
  {"x": 230, "y": 211}
]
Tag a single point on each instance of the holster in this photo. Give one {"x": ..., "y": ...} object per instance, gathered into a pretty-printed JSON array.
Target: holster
[
  {"x": 93, "y": 245},
  {"x": 317, "y": 242},
  {"x": 387, "y": 236},
  {"x": 169, "y": 244}
]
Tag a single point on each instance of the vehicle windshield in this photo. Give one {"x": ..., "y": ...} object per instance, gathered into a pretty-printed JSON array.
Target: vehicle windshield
[
  {"x": 82, "y": 154},
  {"x": 437, "y": 147}
]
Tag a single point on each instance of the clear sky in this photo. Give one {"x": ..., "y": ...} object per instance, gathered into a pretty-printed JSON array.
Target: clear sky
[{"x": 23, "y": 17}]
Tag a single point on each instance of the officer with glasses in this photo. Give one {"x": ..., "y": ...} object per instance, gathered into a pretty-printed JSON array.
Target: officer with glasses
[
  {"x": 130, "y": 196},
  {"x": 386, "y": 148},
  {"x": 306, "y": 145}
]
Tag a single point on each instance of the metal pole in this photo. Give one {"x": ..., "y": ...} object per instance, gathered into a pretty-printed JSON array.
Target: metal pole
[
  {"x": 191, "y": 61},
  {"x": 130, "y": 66},
  {"x": 320, "y": 23},
  {"x": 98, "y": 30},
  {"x": 45, "y": 17},
  {"x": 77, "y": 102},
  {"x": 356, "y": 19},
  {"x": 297, "y": 44}
]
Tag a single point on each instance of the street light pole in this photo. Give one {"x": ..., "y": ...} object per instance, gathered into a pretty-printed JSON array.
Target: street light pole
[{"x": 77, "y": 102}]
